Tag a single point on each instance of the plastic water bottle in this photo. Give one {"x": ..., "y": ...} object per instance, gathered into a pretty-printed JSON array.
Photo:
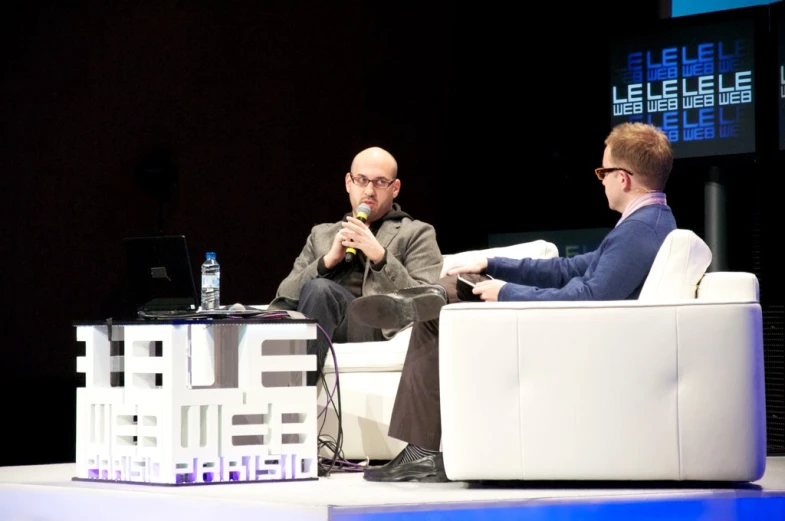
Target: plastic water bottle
[{"x": 211, "y": 282}]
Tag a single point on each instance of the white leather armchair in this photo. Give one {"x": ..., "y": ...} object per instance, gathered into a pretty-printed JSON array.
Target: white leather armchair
[
  {"x": 369, "y": 373},
  {"x": 666, "y": 387}
]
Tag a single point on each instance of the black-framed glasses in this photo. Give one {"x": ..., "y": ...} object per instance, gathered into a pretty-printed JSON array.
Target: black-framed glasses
[
  {"x": 379, "y": 182},
  {"x": 602, "y": 172}
]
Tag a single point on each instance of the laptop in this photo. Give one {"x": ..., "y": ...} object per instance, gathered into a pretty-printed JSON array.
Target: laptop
[
  {"x": 160, "y": 280},
  {"x": 159, "y": 277}
]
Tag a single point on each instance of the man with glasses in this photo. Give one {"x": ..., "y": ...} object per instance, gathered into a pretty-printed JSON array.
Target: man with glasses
[
  {"x": 635, "y": 167},
  {"x": 393, "y": 251}
]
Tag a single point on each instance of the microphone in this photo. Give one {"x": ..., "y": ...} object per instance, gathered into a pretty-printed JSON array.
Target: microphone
[{"x": 363, "y": 211}]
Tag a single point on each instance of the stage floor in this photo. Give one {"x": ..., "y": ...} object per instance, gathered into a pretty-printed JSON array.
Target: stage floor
[{"x": 47, "y": 492}]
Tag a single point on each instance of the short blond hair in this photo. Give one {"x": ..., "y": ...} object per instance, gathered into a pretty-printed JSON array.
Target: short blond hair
[{"x": 645, "y": 150}]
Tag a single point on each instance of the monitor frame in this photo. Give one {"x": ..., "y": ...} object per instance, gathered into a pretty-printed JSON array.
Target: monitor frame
[{"x": 777, "y": 12}]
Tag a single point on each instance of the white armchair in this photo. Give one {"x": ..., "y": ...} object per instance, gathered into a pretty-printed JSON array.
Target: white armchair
[
  {"x": 369, "y": 373},
  {"x": 666, "y": 387}
]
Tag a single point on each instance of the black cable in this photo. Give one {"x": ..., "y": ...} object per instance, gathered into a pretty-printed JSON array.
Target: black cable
[{"x": 327, "y": 465}]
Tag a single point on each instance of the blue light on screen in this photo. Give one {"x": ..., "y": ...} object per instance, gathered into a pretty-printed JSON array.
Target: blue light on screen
[{"x": 688, "y": 7}]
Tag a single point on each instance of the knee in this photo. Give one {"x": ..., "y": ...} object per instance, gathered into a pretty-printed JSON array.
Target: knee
[
  {"x": 316, "y": 288},
  {"x": 448, "y": 281},
  {"x": 319, "y": 297},
  {"x": 450, "y": 285}
]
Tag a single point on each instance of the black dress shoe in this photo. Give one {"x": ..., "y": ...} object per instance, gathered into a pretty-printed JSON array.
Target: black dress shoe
[
  {"x": 429, "y": 469},
  {"x": 400, "y": 308}
]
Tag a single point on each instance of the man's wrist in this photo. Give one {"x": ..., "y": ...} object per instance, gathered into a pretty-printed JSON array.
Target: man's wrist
[
  {"x": 381, "y": 262},
  {"x": 329, "y": 263}
]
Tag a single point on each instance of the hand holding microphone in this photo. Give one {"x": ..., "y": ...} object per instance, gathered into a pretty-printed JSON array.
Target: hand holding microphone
[{"x": 363, "y": 211}]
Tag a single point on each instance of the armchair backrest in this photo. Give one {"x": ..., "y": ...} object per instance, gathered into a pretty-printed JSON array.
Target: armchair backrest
[
  {"x": 678, "y": 267},
  {"x": 538, "y": 249}
]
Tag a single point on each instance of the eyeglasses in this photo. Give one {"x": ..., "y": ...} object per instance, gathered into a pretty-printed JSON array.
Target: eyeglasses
[
  {"x": 602, "y": 172},
  {"x": 379, "y": 182}
]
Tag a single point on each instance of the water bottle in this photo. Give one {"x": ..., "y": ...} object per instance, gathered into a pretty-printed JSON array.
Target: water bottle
[{"x": 211, "y": 282}]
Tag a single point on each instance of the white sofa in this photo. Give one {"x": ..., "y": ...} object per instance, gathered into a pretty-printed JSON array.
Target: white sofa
[
  {"x": 369, "y": 372},
  {"x": 666, "y": 387}
]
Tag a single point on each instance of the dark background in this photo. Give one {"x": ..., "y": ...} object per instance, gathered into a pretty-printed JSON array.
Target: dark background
[{"x": 243, "y": 117}]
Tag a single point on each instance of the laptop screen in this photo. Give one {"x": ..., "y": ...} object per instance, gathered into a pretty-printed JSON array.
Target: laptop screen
[{"x": 159, "y": 274}]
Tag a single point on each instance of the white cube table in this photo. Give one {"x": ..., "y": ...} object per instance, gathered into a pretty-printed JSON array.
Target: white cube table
[{"x": 196, "y": 401}]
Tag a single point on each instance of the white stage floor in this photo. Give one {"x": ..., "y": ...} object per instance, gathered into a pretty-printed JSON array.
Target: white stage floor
[{"x": 47, "y": 492}]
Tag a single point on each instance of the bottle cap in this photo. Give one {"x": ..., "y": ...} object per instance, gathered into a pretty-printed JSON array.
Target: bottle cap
[{"x": 210, "y": 255}]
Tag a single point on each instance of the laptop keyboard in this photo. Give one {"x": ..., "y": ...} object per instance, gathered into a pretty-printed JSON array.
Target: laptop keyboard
[{"x": 163, "y": 313}]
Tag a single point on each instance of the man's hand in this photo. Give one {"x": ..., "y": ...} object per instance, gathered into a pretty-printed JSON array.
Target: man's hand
[
  {"x": 488, "y": 290},
  {"x": 357, "y": 235},
  {"x": 468, "y": 265},
  {"x": 337, "y": 252}
]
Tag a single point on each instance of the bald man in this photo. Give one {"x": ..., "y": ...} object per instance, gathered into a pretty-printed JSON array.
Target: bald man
[{"x": 394, "y": 252}]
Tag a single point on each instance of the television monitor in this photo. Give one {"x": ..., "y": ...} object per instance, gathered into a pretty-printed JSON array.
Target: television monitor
[
  {"x": 690, "y": 7},
  {"x": 695, "y": 77}
]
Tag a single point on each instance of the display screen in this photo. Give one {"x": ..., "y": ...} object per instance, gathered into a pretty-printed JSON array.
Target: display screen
[
  {"x": 690, "y": 7},
  {"x": 694, "y": 80}
]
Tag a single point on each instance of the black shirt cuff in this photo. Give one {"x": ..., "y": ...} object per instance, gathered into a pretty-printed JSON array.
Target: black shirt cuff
[
  {"x": 321, "y": 268},
  {"x": 381, "y": 264}
]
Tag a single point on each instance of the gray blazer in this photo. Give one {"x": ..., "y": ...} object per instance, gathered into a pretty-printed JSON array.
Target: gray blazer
[{"x": 413, "y": 258}]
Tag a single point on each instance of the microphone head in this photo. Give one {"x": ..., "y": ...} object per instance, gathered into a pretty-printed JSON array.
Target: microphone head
[{"x": 363, "y": 211}]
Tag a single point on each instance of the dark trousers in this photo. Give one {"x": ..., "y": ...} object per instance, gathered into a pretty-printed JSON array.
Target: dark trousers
[
  {"x": 416, "y": 415},
  {"x": 327, "y": 302}
]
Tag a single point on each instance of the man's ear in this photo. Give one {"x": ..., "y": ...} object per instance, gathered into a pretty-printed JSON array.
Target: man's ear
[
  {"x": 626, "y": 180},
  {"x": 347, "y": 181},
  {"x": 396, "y": 188}
]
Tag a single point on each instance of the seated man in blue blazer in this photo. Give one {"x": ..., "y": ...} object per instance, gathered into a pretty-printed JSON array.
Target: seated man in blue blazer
[{"x": 635, "y": 167}]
